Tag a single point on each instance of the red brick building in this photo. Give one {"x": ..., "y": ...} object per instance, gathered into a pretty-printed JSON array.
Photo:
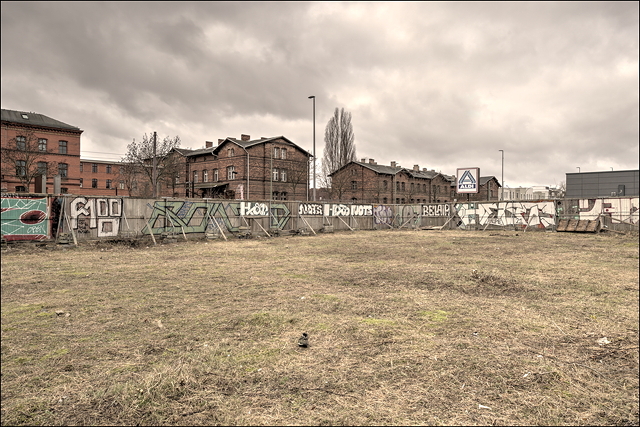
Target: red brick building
[
  {"x": 368, "y": 182},
  {"x": 260, "y": 169},
  {"x": 34, "y": 146}
]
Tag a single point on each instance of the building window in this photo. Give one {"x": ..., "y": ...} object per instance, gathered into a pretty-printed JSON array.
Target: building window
[
  {"x": 80, "y": 182},
  {"x": 412, "y": 187},
  {"x": 81, "y": 167},
  {"x": 354, "y": 172},
  {"x": 195, "y": 177},
  {"x": 230, "y": 152},
  {"x": 205, "y": 176},
  {"x": 283, "y": 175},
  {"x": 42, "y": 144},
  {"x": 276, "y": 152},
  {"x": 215, "y": 175},
  {"x": 283, "y": 152},
  {"x": 64, "y": 190},
  {"x": 21, "y": 143},
  {"x": 231, "y": 172},
  {"x": 108, "y": 168},
  {"x": 385, "y": 185},
  {"x": 121, "y": 185},
  {"x": 354, "y": 185},
  {"x": 94, "y": 167},
  {"x": 108, "y": 183},
  {"x": 20, "y": 189},
  {"x": 42, "y": 168},
  {"x": 384, "y": 200},
  {"x": 63, "y": 170},
  {"x": 21, "y": 168},
  {"x": 275, "y": 174},
  {"x": 402, "y": 184},
  {"x": 424, "y": 188},
  {"x": 397, "y": 186},
  {"x": 62, "y": 147},
  {"x": 94, "y": 183}
]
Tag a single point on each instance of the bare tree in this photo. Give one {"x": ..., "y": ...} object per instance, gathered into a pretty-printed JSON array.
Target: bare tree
[
  {"x": 339, "y": 145},
  {"x": 152, "y": 160},
  {"x": 298, "y": 175},
  {"x": 26, "y": 157}
]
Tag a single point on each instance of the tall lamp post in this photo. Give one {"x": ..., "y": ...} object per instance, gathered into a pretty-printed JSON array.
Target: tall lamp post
[
  {"x": 502, "y": 189},
  {"x": 314, "y": 146}
]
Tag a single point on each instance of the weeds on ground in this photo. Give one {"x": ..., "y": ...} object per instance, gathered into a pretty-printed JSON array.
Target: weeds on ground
[{"x": 406, "y": 327}]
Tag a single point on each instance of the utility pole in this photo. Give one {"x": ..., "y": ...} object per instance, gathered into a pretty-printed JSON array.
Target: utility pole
[
  {"x": 154, "y": 176},
  {"x": 314, "y": 146}
]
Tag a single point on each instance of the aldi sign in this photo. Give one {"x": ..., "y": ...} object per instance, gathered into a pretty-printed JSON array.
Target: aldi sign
[{"x": 467, "y": 180}]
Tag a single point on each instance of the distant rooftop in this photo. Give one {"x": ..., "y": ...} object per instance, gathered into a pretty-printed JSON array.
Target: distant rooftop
[{"x": 35, "y": 119}]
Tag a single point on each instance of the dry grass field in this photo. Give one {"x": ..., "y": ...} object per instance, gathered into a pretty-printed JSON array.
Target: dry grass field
[{"x": 405, "y": 327}]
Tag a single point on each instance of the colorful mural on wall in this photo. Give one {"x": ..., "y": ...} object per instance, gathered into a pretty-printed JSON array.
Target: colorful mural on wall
[
  {"x": 25, "y": 218},
  {"x": 35, "y": 218},
  {"x": 101, "y": 214},
  {"x": 504, "y": 214},
  {"x": 621, "y": 210}
]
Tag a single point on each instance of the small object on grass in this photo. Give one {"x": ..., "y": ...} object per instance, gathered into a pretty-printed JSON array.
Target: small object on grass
[
  {"x": 303, "y": 341},
  {"x": 483, "y": 407},
  {"x": 603, "y": 341},
  {"x": 59, "y": 312},
  {"x": 475, "y": 334}
]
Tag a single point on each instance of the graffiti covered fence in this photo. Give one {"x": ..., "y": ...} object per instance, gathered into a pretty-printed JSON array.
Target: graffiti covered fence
[{"x": 40, "y": 217}]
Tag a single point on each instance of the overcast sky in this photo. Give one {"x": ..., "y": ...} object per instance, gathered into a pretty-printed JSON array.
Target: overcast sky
[{"x": 441, "y": 85}]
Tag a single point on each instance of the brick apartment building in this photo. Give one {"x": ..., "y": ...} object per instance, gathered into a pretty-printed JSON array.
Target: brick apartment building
[
  {"x": 368, "y": 182},
  {"x": 34, "y": 146},
  {"x": 260, "y": 169}
]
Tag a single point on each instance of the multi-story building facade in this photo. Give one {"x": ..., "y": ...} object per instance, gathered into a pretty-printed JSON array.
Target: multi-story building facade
[
  {"x": 261, "y": 169},
  {"x": 35, "y": 148},
  {"x": 101, "y": 178},
  {"x": 368, "y": 182}
]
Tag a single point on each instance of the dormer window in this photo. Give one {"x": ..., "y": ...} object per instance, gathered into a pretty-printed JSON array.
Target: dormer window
[{"x": 25, "y": 116}]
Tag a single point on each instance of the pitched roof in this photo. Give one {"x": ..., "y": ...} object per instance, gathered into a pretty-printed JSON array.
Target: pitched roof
[
  {"x": 485, "y": 179},
  {"x": 243, "y": 144},
  {"x": 393, "y": 170},
  {"x": 35, "y": 119}
]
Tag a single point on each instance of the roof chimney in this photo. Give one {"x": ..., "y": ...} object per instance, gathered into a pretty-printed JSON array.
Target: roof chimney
[
  {"x": 245, "y": 137},
  {"x": 208, "y": 144},
  {"x": 363, "y": 160},
  {"x": 372, "y": 162},
  {"x": 393, "y": 164},
  {"x": 416, "y": 168}
]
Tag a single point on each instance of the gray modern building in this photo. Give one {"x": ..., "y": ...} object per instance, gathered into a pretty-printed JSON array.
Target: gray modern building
[{"x": 583, "y": 185}]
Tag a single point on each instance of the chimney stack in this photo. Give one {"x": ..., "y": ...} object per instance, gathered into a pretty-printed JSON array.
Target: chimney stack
[
  {"x": 363, "y": 160},
  {"x": 416, "y": 168},
  {"x": 393, "y": 164},
  {"x": 244, "y": 137},
  {"x": 372, "y": 162},
  {"x": 208, "y": 144}
]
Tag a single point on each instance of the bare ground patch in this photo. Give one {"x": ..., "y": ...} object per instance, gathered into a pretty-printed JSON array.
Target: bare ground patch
[{"x": 406, "y": 327}]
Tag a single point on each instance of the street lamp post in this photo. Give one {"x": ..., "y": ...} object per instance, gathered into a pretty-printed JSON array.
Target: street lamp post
[
  {"x": 314, "y": 146},
  {"x": 502, "y": 189}
]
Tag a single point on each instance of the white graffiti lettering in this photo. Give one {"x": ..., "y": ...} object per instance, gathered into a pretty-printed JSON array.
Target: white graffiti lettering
[
  {"x": 436, "y": 210},
  {"x": 254, "y": 209},
  {"x": 310, "y": 209}
]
